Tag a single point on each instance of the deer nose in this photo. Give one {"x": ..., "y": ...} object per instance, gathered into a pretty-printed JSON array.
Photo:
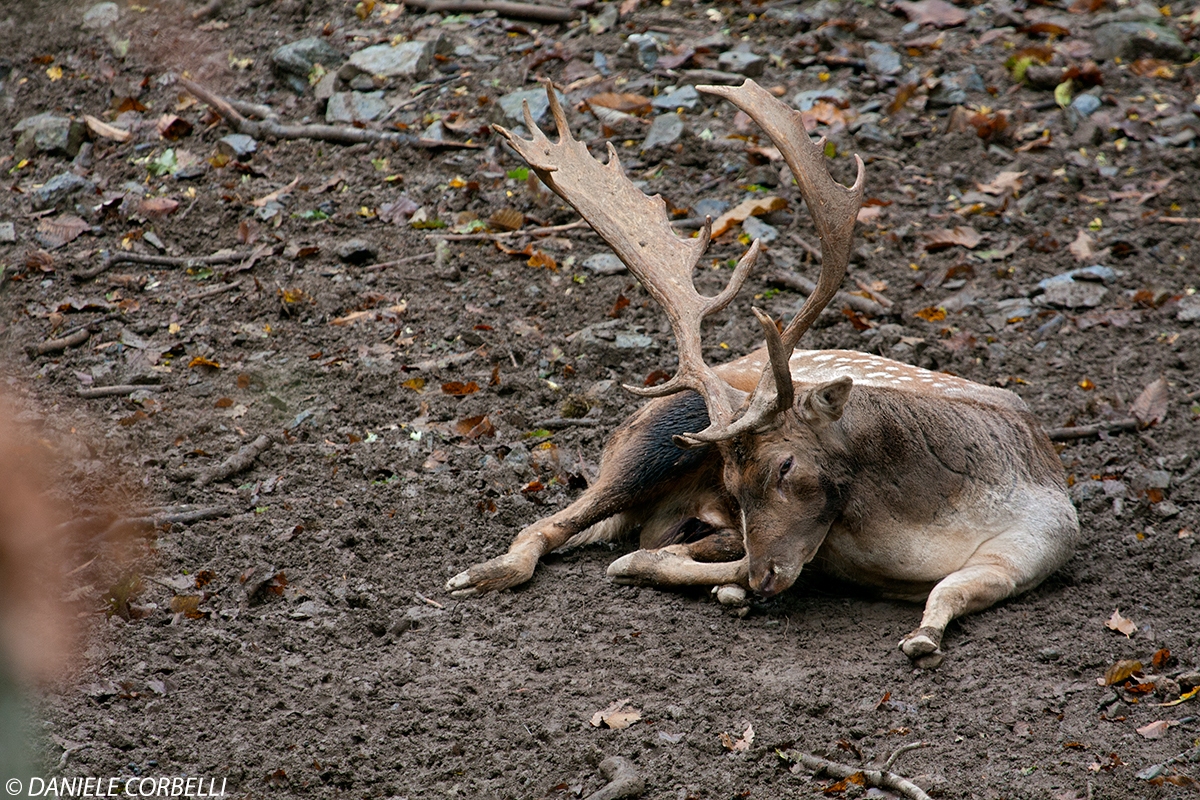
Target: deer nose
[{"x": 766, "y": 585}]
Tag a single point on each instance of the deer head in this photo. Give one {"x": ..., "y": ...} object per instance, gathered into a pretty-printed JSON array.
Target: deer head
[{"x": 772, "y": 447}]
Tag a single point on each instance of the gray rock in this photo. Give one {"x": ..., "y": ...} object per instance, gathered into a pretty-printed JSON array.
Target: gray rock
[
  {"x": 755, "y": 228},
  {"x": 293, "y": 62},
  {"x": 1082, "y": 107},
  {"x": 1096, "y": 272},
  {"x": 871, "y": 133},
  {"x": 8, "y": 233},
  {"x": 611, "y": 340},
  {"x": 604, "y": 21},
  {"x": 1133, "y": 40},
  {"x": 677, "y": 97},
  {"x": 710, "y": 207},
  {"x": 325, "y": 87},
  {"x": 805, "y": 100},
  {"x": 46, "y": 133},
  {"x": 600, "y": 263},
  {"x": 355, "y": 107},
  {"x": 641, "y": 48},
  {"x": 1074, "y": 294},
  {"x": 509, "y": 106},
  {"x": 237, "y": 145},
  {"x": 666, "y": 130},
  {"x": 101, "y": 16},
  {"x": 882, "y": 58},
  {"x": 58, "y": 189},
  {"x": 952, "y": 89},
  {"x": 356, "y": 251},
  {"x": 405, "y": 60},
  {"x": 1188, "y": 305},
  {"x": 742, "y": 62}
]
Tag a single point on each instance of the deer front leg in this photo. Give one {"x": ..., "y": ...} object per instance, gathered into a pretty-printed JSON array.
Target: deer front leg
[{"x": 972, "y": 588}]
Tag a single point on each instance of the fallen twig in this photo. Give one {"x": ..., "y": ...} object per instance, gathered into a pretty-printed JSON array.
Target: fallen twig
[
  {"x": 505, "y": 8},
  {"x": 160, "y": 261},
  {"x": 1178, "y": 220},
  {"x": 58, "y": 345},
  {"x": 400, "y": 261},
  {"x": 790, "y": 280},
  {"x": 623, "y": 780},
  {"x": 879, "y": 778},
  {"x": 1084, "y": 431},
  {"x": 239, "y": 461},
  {"x": 324, "y": 133},
  {"x": 558, "y": 423},
  {"x": 151, "y": 521},
  {"x": 117, "y": 390},
  {"x": 487, "y": 237},
  {"x": 213, "y": 291}
]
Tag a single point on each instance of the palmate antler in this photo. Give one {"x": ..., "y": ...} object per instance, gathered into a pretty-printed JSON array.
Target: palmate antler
[{"x": 636, "y": 227}]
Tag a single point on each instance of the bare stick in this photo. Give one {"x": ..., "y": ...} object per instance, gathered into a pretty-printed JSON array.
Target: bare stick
[
  {"x": 154, "y": 520},
  {"x": 881, "y": 779},
  {"x": 901, "y": 750},
  {"x": 505, "y": 8},
  {"x": 213, "y": 291},
  {"x": 400, "y": 261},
  {"x": 623, "y": 780},
  {"x": 239, "y": 461},
  {"x": 58, "y": 345},
  {"x": 115, "y": 391},
  {"x": 790, "y": 280},
  {"x": 1084, "y": 431},
  {"x": 324, "y": 133},
  {"x": 161, "y": 261},
  {"x": 1178, "y": 220},
  {"x": 484, "y": 237}
]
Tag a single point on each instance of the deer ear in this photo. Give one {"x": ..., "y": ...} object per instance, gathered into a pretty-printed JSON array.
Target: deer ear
[{"x": 823, "y": 403}]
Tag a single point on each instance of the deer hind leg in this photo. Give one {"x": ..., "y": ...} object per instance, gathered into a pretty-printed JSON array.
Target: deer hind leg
[{"x": 641, "y": 466}]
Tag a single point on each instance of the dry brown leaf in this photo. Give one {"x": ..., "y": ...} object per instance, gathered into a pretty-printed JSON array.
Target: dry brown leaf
[
  {"x": 1120, "y": 624},
  {"x": 938, "y": 13},
  {"x": 962, "y": 235},
  {"x": 1151, "y": 406},
  {"x": 625, "y": 102},
  {"x": 64, "y": 229},
  {"x": 751, "y": 207},
  {"x": 371, "y": 313},
  {"x": 458, "y": 389},
  {"x": 1156, "y": 729},
  {"x": 738, "y": 745},
  {"x": 1119, "y": 672},
  {"x": 506, "y": 219},
  {"x": 170, "y": 126},
  {"x": 617, "y": 716},
  {"x": 1082, "y": 247},
  {"x": 106, "y": 131},
  {"x": 1005, "y": 183},
  {"x": 157, "y": 207}
]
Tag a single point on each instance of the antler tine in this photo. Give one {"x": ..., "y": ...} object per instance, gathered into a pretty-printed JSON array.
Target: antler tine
[
  {"x": 636, "y": 227},
  {"x": 834, "y": 209}
]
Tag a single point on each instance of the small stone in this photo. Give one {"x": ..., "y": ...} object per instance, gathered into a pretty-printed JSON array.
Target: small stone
[
  {"x": 1074, "y": 294},
  {"x": 666, "y": 130},
  {"x": 604, "y": 21},
  {"x": 325, "y": 87},
  {"x": 355, "y": 107},
  {"x": 237, "y": 145},
  {"x": 357, "y": 251},
  {"x": 8, "y": 233},
  {"x": 47, "y": 133},
  {"x": 883, "y": 58},
  {"x": 677, "y": 97},
  {"x": 58, "y": 189},
  {"x": 509, "y": 106},
  {"x": 600, "y": 263},
  {"x": 1133, "y": 40},
  {"x": 405, "y": 60},
  {"x": 873, "y": 134},
  {"x": 1189, "y": 308},
  {"x": 742, "y": 62},
  {"x": 710, "y": 207},
  {"x": 804, "y": 101},
  {"x": 755, "y": 228},
  {"x": 1095, "y": 273},
  {"x": 101, "y": 16},
  {"x": 294, "y": 61},
  {"x": 642, "y": 48}
]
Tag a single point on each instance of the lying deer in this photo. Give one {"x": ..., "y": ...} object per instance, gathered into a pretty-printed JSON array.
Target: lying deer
[{"x": 914, "y": 483}]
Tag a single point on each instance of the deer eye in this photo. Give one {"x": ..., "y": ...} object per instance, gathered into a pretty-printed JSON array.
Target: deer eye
[{"x": 786, "y": 467}]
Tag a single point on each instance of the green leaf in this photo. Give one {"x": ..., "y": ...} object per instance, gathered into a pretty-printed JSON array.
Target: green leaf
[
  {"x": 519, "y": 174},
  {"x": 1062, "y": 94},
  {"x": 165, "y": 164}
]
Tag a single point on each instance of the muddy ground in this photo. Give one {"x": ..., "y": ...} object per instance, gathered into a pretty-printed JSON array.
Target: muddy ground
[{"x": 298, "y": 642}]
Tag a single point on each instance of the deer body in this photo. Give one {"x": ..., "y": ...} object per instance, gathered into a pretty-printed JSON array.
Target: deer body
[{"x": 919, "y": 485}]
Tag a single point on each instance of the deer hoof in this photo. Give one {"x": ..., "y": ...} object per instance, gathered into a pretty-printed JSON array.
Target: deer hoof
[
  {"x": 503, "y": 572},
  {"x": 731, "y": 595},
  {"x": 921, "y": 642}
]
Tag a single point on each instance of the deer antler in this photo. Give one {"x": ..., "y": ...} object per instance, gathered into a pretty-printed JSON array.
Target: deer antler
[{"x": 636, "y": 227}]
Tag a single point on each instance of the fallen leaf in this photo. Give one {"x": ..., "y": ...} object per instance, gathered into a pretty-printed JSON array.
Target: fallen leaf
[
  {"x": 275, "y": 195},
  {"x": 170, "y": 126},
  {"x": 751, "y": 207},
  {"x": 474, "y": 427},
  {"x": 157, "y": 207},
  {"x": 201, "y": 361},
  {"x": 188, "y": 605},
  {"x": 1150, "y": 408},
  {"x": 617, "y": 716},
  {"x": 1156, "y": 729},
  {"x": 371, "y": 313},
  {"x": 54, "y": 233},
  {"x": 962, "y": 235},
  {"x": 542, "y": 260},
  {"x": 738, "y": 745},
  {"x": 1082, "y": 247},
  {"x": 106, "y": 131},
  {"x": 625, "y": 102},
  {"x": 1120, "y": 624},
  {"x": 506, "y": 219},
  {"x": 1005, "y": 183},
  {"x": 458, "y": 389},
  {"x": 416, "y": 384},
  {"x": 938, "y": 13},
  {"x": 931, "y": 314}
]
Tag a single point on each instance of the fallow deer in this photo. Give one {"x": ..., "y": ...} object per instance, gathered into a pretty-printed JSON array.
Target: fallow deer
[{"x": 917, "y": 484}]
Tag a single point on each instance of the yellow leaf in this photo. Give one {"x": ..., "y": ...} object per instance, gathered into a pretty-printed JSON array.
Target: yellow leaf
[
  {"x": 201, "y": 361},
  {"x": 54, "y": 73},
  {"x": 416, "y": 384},
  {"x": 931, "y": 314}
]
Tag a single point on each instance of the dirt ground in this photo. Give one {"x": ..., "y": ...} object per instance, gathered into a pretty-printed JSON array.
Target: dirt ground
[{"x": 297, "y": 640}]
